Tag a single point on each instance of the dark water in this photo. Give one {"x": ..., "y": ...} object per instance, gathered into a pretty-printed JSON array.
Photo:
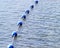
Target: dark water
[{"x": 41, "y": 28}]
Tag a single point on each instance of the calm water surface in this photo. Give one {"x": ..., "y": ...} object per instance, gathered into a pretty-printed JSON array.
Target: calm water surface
[{"x": 41, "y": 28}]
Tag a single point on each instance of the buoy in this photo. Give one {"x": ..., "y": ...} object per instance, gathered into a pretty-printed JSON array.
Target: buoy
[
  {"x": 32, "y": 6},
  {"x": 24, "y": 16},
  {"x": 14, "y": 34},
  {"x": 27, "y": 11},
  {"x": 36, "y": 2},
  {"x": 10, "y": 46},
  {"x": 20, "y": 23}
]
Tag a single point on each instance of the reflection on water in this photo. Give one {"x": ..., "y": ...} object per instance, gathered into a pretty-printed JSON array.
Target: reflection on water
[{"x": 41, "y": 28}]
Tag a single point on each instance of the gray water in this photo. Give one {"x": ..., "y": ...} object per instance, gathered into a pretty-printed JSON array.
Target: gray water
[{"x": 41, "y": 28}]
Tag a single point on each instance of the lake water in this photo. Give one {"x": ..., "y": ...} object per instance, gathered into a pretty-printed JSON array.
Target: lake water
[{"x": 41, "y": 29}]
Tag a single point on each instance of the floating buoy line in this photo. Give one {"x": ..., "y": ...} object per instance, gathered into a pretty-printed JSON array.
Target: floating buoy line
[{"x": 14, "y": 34}]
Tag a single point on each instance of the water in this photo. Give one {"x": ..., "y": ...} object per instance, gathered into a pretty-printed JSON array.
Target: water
[{"x": 41, "y": 28}]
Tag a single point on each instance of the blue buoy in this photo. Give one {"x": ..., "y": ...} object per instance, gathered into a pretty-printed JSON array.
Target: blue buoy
[
  {"x": 24, "y": 16},
  {"x": 14, "y": 34},
  {"x": 20, "y": 24},
  {"x": 27, "y": 11},
  {"x": 32, "y": 6},
  {"x": 10, "y": 46},
  {"x": 36, "y": 2}
]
